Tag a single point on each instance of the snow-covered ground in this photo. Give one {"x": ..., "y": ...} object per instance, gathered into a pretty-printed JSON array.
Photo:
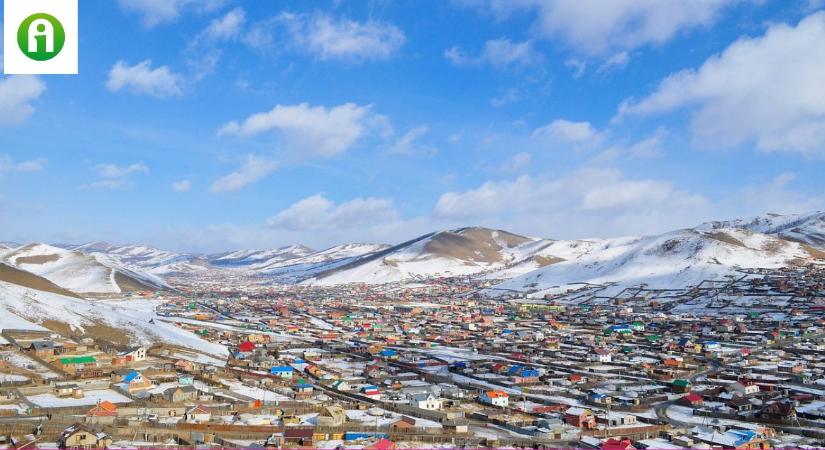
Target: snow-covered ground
[{"x": 89, "y": 398}]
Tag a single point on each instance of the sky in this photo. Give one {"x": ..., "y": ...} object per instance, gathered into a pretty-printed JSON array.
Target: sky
[{"x": 208, "y": 125}]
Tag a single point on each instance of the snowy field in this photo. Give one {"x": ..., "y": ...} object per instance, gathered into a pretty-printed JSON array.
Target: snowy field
[{"x": 90, "y": 398}]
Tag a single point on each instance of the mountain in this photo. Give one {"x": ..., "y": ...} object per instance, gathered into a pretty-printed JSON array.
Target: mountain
[
  {"x": 464, "y": 251},
  {"x": 78, "y": 272},
  {"x": 672, "y": 260},
  {"x": 259, "y": 258},
  {"x": 806, "y": 228}
]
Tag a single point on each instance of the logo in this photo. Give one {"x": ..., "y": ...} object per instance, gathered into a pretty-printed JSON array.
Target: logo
[{"x": 41, "y": 37}]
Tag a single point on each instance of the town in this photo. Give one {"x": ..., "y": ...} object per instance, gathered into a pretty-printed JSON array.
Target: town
[{"x": 440, "y": 362}]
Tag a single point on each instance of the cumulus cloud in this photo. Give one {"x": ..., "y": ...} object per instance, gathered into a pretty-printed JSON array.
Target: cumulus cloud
[
  {"x": 498, "y": 53},
  {"x": 601, "y": 28},
  {"x": 311, "y": 130},
  {"x": 329, "y": 38},
  {"x": 569, "y": 132},
  {"x": 593, "y": 201},
  {"x": 319, "y": 213},
  {"x": 251, "y": 169},
  {"x": 142, "y": 79},
  {"x": 182, "y": 186},
  {"x": 113, "y": 176},
  {"x": 518, "y": 162},
  {"x": 17, "y": 93},
  {"x": 155, "y": 12},
  {"x": 768, "y": 90}
]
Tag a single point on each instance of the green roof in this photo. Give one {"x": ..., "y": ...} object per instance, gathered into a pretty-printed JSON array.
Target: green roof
[
  {"x": 78, "y": 360},
  {"x": 681, "y": 383}
]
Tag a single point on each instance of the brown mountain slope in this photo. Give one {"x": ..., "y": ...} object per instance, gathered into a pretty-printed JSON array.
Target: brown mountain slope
[{"x": 26, "y": 279}]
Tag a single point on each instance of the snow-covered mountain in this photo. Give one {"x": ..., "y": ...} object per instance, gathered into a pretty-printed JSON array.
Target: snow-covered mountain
[
  {"x": 79, "y": 272},
  {"x": 464, "y": 251},
  {"x": 805, "y": 228},
  {"x": 259, "y": 258},
  {"x": 672, "y": 260}
]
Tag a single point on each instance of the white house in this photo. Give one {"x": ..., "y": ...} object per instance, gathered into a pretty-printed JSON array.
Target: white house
[
  {"x": 495, "y": 398},
  {"x": 199, "y": 414},
  {"x": 601, "y": 355},
  {"x": 135, "y": 354},
  {"x": 744, "y": 387},
  {"x": 425, "y": 401}
]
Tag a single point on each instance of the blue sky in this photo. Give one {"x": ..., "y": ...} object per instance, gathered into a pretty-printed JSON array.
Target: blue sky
[{"x": 205, "y": 125}]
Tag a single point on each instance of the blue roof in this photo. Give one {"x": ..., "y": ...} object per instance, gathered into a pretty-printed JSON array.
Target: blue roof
[
  {"x": 131, "y": 376},
  {"x": 281, "y": 369}
]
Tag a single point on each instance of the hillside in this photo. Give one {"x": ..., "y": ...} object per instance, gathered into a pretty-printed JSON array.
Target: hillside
[
  {"x": 78, "y": 272},
  {"x": 805, "y": 228},
  {"x": 121, "y": 322},
  {"x": 464, "y": 251},
  {"x": 676, "y": 259}
]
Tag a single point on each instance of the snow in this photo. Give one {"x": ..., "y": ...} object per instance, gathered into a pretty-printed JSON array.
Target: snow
[
  {"x": 27, "y": 309},
  {"x": 74, "y": 270},
  {"x": 89, "y": 398},
  {"x": 676, "y": 259}
]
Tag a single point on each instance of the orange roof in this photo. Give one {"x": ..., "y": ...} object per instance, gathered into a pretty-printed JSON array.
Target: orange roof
[
  {"x": 497, "y": 394},
  {"x": 104, "y": 408}
]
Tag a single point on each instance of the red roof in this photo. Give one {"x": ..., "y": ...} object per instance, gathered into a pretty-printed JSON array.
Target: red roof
[
  {"x": 693, "y": 397},
  {"x": 246, "y": 347}
]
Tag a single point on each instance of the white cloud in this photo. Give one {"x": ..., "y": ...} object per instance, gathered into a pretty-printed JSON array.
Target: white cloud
[
  {"x": 767, "y": 89},
  {"x": 115, "y": 171},
  {"x": 518, "y": 162},
  {"x": 570, "y": 132},
  {"x": 16, "y": 95},
  {"x": 115, "y": 177},
  {"x": 8, "y": 164},
  {"x": 252, "y": 169},
  {"x": 649, "y": 147},
  {"x": 603, "y": 27},
  {"x": 182, "y": 186},
  {"x": 409, "y": 143},
  {"x": 590, "y": 201},
  {"x": 498, "y": 53},
  {"x": 227, "y": 27},
  {"x": 155, "y": 12},
  {"x": 309, "y": 130},
  {"x": 142, "y": 79},
  {"x": 319, "y": 213},
  {"x": 329, "y": 38}
]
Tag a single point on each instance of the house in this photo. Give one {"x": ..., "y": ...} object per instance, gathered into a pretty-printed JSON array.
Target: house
[
  {"x": 332, "y": 416},
  {"x": 134, "y": 354},
  {"x": 680, "y": 386},
  {"x": 104, "y": 412},
  {"x": 75, "y": 364},
  {"x": 405, "y": 422},
  {"x": 180, "y": 394},
  {"x": 341, "y": 385},
  {"x": 302, "y": 390},
  {"x": 78, "y": 436},
  {"x": 692, "y": 400},
  {"x": 136, "y": 382},
  {"x": 298, "y": 436},
  {"x": 580, "y": 417},
  {"x": 601, "y": 355},
  {"x": 618, "y": 444},
  {"x": 370, "y": 391},
  {"x": 615, "y": 419},
  {"x": 285, "y": 372},
  {"x": 743, "y": 387},
  {"x": 246, "y": 347},
  {"x": 739, "y": 404},
  {"x": 783, "y": 410},
  {"x": 425, "y": 400},
  {"x": 198, "y": 414},
  {"x": 733, "y": 439},
  {"x": 43, "y": 349},
  {"x": 495, "y": 397},
  {"x": 381, "y": 444},
  {"x": 68, "y": 390}
]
